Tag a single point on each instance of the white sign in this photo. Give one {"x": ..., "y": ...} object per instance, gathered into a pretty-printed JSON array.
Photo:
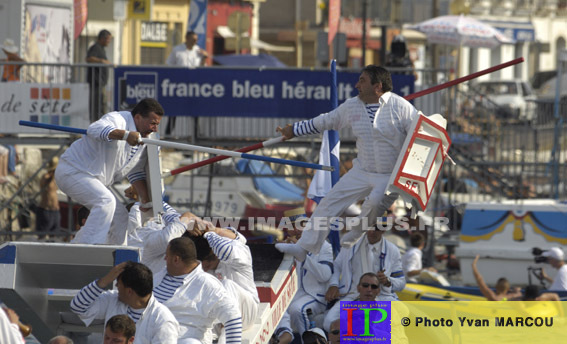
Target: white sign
[{"x": 60, "y": 104}]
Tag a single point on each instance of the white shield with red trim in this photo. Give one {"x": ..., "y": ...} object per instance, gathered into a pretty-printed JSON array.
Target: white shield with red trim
[{"x": 420, "y": 161}]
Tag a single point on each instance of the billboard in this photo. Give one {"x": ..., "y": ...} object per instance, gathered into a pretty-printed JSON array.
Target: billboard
[{"x": 236, "y": 92}]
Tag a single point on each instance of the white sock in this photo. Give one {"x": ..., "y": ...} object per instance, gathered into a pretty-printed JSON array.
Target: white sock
[{"x": 294, "y": 249}]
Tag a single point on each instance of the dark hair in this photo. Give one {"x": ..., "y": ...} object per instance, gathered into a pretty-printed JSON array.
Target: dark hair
[
  {"x": 416, "y": 239},
  {"x": 138, "y": 277},
  {"x": 371, "y": 274},
  {"x": 190, "y": 32},
  {"x": 103, "y": 34},
  {"x": 147, "y": 105},
  {"x": 184, "y": 248},
  {"x": 204, "y": 250},
  {"x": 122, "y": 323},
  {"x": 379, "y": 75}
]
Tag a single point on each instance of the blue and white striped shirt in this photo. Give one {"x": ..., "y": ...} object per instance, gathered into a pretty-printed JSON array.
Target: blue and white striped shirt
[{"x": 169, "y": 284}]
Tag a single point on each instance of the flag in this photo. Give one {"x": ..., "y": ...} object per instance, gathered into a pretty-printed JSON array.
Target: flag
[
  {"x": 323, "y": 181},
  {"x": 198, "y": 21}
]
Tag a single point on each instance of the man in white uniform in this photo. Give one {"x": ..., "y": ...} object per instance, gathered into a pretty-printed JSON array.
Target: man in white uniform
[
  {"x": 314, "y": 274},
  {"x": 372, "y": 253},
  {"x": 380, "y": 120},
  {"x": 195, "y": 297},
  {"x": 9, "y": 330},
  {"x": 154, "y": 322},
  {"x": 109, "y": 152},
  {"x": 555, "y": 258},
  {"x": 224, "y": 254}
]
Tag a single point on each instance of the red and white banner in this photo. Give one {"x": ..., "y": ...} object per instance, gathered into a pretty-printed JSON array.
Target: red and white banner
[{"x": 334, "y": 16}]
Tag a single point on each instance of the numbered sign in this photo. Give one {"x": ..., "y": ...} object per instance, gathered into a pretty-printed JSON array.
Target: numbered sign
[{"x": 420, "y": 160}]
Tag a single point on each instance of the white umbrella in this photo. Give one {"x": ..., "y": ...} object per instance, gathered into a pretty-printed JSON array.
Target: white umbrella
[{"x": 461, "y": 31}]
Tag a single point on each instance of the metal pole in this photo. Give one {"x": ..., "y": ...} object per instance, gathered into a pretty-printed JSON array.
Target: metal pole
[{"x": 364, "y": 6}]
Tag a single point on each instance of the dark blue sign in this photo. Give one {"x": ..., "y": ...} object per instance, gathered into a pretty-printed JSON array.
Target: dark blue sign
[{"x": 239, "y": 92}]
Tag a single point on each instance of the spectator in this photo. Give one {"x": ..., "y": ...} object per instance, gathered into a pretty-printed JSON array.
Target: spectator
[
  {"x": 9, "y": 329},
  {"x": 109, "y": 152},
  {"x": 119, "y": 329},
  {"x": 11, "y": 72},
  {"x": 412, "y": 259},
  {"x": 371, "y": 253},
  {"x": 533, "y": 293},
  {"x": 154, "y": 322},
  {"x": 98, "y": 76},
  {"x": 48, "y": 216},
  {"x": 555, "y": 257},
  {"x": 195, "y": 297},
  {"x": 187, "y": 54},
  {"x": 502, "y": 286},
  {"x": 224, "y": 254},
  {"x": 61, "y": 340}
]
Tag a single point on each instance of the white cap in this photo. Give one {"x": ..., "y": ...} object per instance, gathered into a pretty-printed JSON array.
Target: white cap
[
  {"x": 554, "y": 252},
  {"x": 10, "y": 46},
  {"x": 318, "y": 331}
]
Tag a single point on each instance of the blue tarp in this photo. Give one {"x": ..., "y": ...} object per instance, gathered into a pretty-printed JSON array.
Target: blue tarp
[
  {"x": 261, "y": 60},
  {"x": 275, "y": 187}
]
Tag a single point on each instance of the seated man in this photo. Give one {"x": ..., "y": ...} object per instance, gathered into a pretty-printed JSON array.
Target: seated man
[
  {"x": 313, "y": 273},
  {"x": 154, "y": 322},
  {"x": 368, "y": 290},
  {"x": 502, "y": 286},
  {"x": 119, "y": 329},
  {"x": 224, "y": 254},
  {"x": 195, "y": 297},
  {"x": 371, "y": 253},
  {"x": 411, "y": 260}
]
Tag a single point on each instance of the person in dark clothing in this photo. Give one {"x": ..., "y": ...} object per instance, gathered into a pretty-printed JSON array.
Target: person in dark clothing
[{"x": 98, "y": 76}]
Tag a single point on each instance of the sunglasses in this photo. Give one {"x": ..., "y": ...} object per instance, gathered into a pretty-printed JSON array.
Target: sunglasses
[
  {"x": 335, "y": 332},
  {"x": 366, "y": 285}
]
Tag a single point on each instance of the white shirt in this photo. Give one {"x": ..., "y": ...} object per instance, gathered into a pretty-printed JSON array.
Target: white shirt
[
  {"x": 411, "y": 261},
  {"x": 153, "y": 238},
  {"x": 235, "y": 261},
  {"x": 181, "y": 56},
  {"x": 105, "y": 159},
  {"x": 156, "y": 325},
  {"x": 378, "y": 144},
  {"x": 560, "y": 280},
  {"x": 197, "y": 303},
  {"x": 9, "y": 332}
]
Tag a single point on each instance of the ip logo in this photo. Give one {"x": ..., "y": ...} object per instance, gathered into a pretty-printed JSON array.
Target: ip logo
[
  {"x": 135, "y": 86},
  {"x": 366, "y": 322}
]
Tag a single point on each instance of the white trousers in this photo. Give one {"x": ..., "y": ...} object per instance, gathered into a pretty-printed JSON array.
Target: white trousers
[
  {"x": 352, "y": 187},
  {"x": 297, "y": 310},
  {"x": 248, "y": 306},
  {"x": 105, "y": 209}
]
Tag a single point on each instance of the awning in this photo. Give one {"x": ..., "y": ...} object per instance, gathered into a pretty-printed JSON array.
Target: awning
[
  {"x": 226, "y": 32},
  {"x": 518, "y": 31}
]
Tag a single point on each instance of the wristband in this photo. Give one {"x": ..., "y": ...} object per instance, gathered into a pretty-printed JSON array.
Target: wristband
[
  {"x": 140, "y": 138},
  {"x": 125, "y": 137}
]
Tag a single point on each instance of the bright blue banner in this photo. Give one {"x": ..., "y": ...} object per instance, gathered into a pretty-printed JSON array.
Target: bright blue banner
[
  {"x": 198, "y": 21},
  {"x": 239, "y": 92}
]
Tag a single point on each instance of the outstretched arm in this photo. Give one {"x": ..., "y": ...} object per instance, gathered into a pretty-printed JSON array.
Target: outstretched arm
[{"x": 484, "y": 289}]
